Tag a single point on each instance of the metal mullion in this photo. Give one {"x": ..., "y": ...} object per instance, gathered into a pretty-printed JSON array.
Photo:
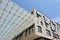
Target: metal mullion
[
  {"x": 7, "y": 24},
  {"x": 4, "y": 10},
  {"x": 18, "y": 16},
  {"x": 18, "y": 27},
  {"x": 20, "y": 20},
  {"x": 4, "y": 21},
  {"x": 7, "y": 16}
]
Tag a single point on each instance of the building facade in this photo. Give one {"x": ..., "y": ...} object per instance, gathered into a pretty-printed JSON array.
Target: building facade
[
  {"x": 17, "y": 23},
  {"x": 43, "y": 28}
]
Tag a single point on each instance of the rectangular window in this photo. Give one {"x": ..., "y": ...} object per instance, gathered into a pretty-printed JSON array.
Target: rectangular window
[
  {"x": 47, "y": 25},
  {"x": 53, "y": 27},
  {"x": 42, "y": 23},
  {"x": 39, "y": 29},
  {"x": 47, "y": 20},
  {"x": 55, "y": 36},
  {"x": 38, "y": 15},
  {"x": 19, "y": 37},
  {"x": 48, "y": 33},
  {"x": 26, "y": 33},
  {"x": 30, "y": 30}
]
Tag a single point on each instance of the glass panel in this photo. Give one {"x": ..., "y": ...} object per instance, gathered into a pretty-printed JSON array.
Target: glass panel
[
  {"x": 47, "y": 20},
  {"x": 53, "y": 27},
  {"x": 39, "y": 13},
  {"x": 13, "y": 20},
  {"x": 8, "y": 19},
  {"x": 4, "y": 17},
  {"x": 10, "y": 5},
  {"x": 48, "y": 33},
  {"x": 39, "y": 29}
]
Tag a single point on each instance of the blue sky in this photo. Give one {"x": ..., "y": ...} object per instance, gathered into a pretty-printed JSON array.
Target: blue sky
[{"x": 49, "y": 7}]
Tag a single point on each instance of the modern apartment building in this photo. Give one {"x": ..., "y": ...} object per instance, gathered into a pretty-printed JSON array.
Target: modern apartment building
[{"x": 17, "y": 23}]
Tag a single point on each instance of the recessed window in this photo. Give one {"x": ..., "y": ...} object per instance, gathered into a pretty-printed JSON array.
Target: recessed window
[
  {"x": 30, "y": 30},
  {"x": 53, "y": 28},
  {"x": 38, "y": 15},
  {"x": 32, "y": 13},
  {"x": 42, "y": 23},
  {"x": 39, "y": 29},
  {"x": 55, "y": 36},
  {"x": 47, "y": 25},
  {"x": 26, "y": 33},
  {"x": 19, "y": 37},
  {"x": 47, "y": 20},
  {"x": 48, "y": 33}
]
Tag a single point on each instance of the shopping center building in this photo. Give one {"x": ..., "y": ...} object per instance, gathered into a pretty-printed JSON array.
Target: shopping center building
[{"x": 16, "y": 23}]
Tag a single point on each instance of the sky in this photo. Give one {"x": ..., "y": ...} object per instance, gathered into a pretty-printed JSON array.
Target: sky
[{"x": 51, "y": 8}]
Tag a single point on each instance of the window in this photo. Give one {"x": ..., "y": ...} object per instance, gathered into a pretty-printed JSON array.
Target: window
[
  {"x": 26, "y": 33},
  {"x": 47, "y": 25},
  {"x": 55, "y": 36},
  {"x": 39, "y": 29},
  {"x": 19, "y": 37},
  {"x": 53, "y": 28},
  {"x": 47, "y": 20},
  {"x": 30, "y": 30},
  {"x": 48, "y": 33},
  {"x": 42, "y": 23},
  {"x": 14, "y": 39},
  {"x": 32, "y": 13},
  {"x": 38, "y": 15}
]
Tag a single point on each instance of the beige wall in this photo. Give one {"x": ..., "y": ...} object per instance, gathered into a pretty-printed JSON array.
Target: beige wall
[{"x": 37, "y": 34}]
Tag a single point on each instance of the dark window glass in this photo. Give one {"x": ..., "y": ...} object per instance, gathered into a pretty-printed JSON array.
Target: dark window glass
[
  {"x": 46, "y": 24},
  {"x": 38, "y": 15},
  {"x": 48, "y": 33},
  {"x": 31, "y": 12},
  {"x": 26, "y": 33},
  {"x": 19, "y": 37},
  {"x": 55, "y": 36},
  {"x": 39, "y": 29},
  {"x": 30, "y": 30},
  {"x": 53, "y": 27},
  {"x": 42, "y": 23}
]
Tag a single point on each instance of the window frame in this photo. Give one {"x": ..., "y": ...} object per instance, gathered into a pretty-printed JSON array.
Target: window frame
[
  {"x": 39, "y": 29},
  {"x": 48, "y": 32}
]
